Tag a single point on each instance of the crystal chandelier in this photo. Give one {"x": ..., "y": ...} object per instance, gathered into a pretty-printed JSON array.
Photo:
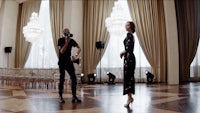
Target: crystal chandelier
[
  {"x": 118, "y": 18},
  {"x": 32, "y": 30}
]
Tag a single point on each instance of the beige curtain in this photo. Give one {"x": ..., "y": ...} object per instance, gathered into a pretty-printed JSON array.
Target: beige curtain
[
  {"x": 22, "y": 46},
  {"x": 188, "y": 19},
  {"x": 56, "y": 17},
  {"x": 95, "y": 12},
  {"x": 148, "y": 15},
  {"x": 1, "y": 3}
]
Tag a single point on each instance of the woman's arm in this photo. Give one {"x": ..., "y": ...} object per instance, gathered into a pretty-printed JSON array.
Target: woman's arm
[{"x": 122, "y": 53}]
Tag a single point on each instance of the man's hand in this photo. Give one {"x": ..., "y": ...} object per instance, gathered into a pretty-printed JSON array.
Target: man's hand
[
  {"x": 78, "y": 51},
  {"x": 64, "y": 48},
  {"x": 74, "y": 58}
]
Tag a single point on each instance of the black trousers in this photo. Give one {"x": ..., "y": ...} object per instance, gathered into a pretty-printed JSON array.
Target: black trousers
[{"x": 69, "y": 67}]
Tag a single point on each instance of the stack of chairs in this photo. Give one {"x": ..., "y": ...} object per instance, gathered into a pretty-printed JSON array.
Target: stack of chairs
[
  {"x": 29, "y": 77},
  {"x": 3, "y": 75}
]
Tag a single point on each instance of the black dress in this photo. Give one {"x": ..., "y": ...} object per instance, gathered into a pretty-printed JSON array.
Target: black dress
[{"x": 129, "y": 65}]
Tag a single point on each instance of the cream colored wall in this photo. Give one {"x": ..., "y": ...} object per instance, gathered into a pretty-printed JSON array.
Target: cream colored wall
[
  {"x": 1, "y": 17},
  {"x": 73, "y": 19},
  {"x": 172, "y": 42},
  {"x": 8, "y": 23}
]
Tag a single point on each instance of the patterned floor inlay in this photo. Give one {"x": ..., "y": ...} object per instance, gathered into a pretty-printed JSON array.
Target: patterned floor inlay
[{"x": 156, "y": 98}]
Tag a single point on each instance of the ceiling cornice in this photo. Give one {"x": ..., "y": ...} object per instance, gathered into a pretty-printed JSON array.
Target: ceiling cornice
[{"x": 20, "y": 1}]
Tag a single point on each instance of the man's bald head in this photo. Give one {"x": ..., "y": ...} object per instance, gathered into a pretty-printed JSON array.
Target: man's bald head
[{"x": 65, "y": 30}]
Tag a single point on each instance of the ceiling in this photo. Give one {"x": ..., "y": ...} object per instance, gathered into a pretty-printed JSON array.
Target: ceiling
[{"x": 20, "y": 1}]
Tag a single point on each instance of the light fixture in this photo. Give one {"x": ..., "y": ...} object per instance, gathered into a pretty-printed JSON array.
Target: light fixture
[
  {"x": 32, "y": 30},
  {"x": 117, "y": 20},
  {"x": 111, "y": 78},
  {"x": 82, "y": 75},
  {"x": 100, "y": 45},
  {"x": 91, "y": 78},
  {"x": 150, "y": 77}
]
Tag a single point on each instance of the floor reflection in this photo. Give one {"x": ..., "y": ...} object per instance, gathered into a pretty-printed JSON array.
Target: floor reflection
[{"x": 155, "y": 98}]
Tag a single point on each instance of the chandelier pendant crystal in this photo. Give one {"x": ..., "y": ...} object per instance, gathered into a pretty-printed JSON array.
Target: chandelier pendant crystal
[{"x": 32, "y": 30}]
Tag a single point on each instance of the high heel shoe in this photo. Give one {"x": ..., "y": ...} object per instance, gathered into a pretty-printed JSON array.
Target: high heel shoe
[{"x": 128, "y": 102}]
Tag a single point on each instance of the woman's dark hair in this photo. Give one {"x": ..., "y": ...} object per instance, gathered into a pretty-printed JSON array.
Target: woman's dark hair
[{"x": 132, "y": 25}]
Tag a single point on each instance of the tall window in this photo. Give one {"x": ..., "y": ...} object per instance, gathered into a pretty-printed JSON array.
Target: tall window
[
  {"x": 195, "y": 66},
  {"x": 111, "y": 61},
  {"x": 42, "y": 54}
]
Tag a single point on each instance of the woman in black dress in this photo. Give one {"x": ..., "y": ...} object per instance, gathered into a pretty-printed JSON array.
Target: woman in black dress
[{"x": 129, "y": 63}]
